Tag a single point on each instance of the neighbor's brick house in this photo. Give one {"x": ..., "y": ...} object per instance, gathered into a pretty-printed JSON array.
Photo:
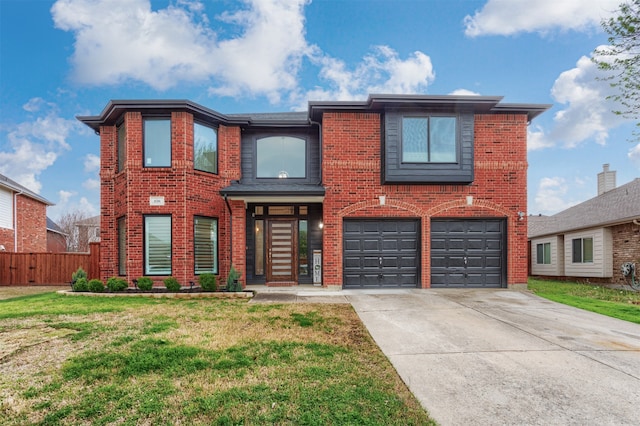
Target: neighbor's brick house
[
  {"x": 23, "y": 218},
  {"x": 395, "y": 191}
]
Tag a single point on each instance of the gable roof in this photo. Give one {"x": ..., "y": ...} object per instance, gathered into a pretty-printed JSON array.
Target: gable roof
[
  {"x": 16, "y": 187},
  {"x": 53, "y": 227},
  {"x": 613, "y": 207}
]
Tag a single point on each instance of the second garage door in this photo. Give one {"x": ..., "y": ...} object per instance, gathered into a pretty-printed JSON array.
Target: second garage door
[
  {"x": 380, "y": 253},
  {"x": 468, "y": 253}
]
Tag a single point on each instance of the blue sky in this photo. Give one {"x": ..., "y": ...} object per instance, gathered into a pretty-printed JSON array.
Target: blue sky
[{"x": 60, "y": 59}]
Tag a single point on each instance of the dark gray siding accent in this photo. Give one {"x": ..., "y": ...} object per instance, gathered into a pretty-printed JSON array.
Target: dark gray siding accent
[
  {"x": 248, "y": 155},
  {"x": 395, "y": 171}
]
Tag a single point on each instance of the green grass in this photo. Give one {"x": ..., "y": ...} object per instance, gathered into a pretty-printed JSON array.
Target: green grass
[
  {"x": 200, "y": 362},
  {"x": 616, "y": 303}
]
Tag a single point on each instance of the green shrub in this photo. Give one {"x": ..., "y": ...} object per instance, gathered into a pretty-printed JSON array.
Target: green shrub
[
  {"x": 79, "y": 273},
  {"x": 172, "y": 284},
  {"x": 81, "y": 284},
  {"x": 208, "y": 282},
  {"x": 233, "y": 280},
  {"x": 117, "y": 284},
  {"x": 145, "y": 283},
  {"x": 95, "y": 285}
]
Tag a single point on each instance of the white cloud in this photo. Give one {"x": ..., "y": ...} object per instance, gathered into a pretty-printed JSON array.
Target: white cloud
[
  {"x": 506, "y": 17},
  {"x": 537, "y": 139},
  {"x": 549, "y": 198},
  {"x": 464, "y": 92},
  {"x": 33, "y": 146},
  {"x": 67, "y": 203},
  {"x": 91, "y": 184},
  {"x": 634, "y": 155},
  {"x": 91, "y": 163},
  {"x": 256, "y": 50},
  {"x": 585, "y": 112}
]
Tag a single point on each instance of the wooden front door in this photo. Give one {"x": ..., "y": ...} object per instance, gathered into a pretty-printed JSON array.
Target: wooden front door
[{"x": 281, "y": 250}]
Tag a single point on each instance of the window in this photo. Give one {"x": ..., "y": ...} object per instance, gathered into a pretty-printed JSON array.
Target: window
[
  {"x": 122, "y": 147},
  {"x": 6, "y": 209},
  {"x": 205, "y": 240},
  {"x": 543, "y": 255},
  {"x": 582, "y": 250},
  {"x": 157, "y": 245},
  {"x": 205, "y": 148},
  {"x": 157, "y": 142},
  {"x": 303, "y": 248},
  {"x": 429, "y": 140},
  {"x": 281, "y": 157},
  {"x": 259, "y": 247},
  {"x": 122, "y": 247}
]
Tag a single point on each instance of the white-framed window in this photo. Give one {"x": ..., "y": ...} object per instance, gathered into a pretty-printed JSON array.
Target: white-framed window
[
  {"x": 122, "y": 246},
  {"x": 582, "y": 250},
  {"x": 543, "y": 254},
  {"x": 6, "y": 209},
  {"x": 157, "y": 245},
  {"x": 205, "y": 244},
  {"x": 157, "y": 142},
  {"x": 122, "y": 146}
]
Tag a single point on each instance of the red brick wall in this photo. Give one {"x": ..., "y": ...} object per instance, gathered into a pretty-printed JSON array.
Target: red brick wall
[
  {"x": 187, "y": 193},
  {"x": 626, "y": 248},
  {"x": 351, "y": 176},
  {"x": 31, "y": 225}
]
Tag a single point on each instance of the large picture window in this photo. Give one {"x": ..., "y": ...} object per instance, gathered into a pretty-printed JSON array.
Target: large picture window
[
  {"x": 157, "y": 245},
  {"x": 205, "y": 242},
  {"x": 582, "y": 250},
  {"x": 205, "y": 148},
  {"x": 543, "y": 254},
  {"x": 122, "y": 246},
  {"x": 429, "y": 140},
  {"x": 157, "y": 142},
  {"x": 281, "y": 157}
]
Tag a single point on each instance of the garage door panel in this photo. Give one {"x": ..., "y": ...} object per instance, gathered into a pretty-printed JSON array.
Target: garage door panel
[
  {"x": 467, "y": 253},
  {"x": 387, "y": 252}
]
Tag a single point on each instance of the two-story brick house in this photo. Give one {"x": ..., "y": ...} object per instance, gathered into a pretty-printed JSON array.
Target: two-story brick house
[{"x": 395, "y": 191}]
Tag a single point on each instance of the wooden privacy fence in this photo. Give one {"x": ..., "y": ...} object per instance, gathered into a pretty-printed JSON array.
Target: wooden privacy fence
[{"x": 47, "y": 268}]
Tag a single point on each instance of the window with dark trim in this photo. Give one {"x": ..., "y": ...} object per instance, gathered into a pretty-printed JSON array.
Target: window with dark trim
[
  {"x": 281, "y": 157},
  {"x": 122, "y": 146},
  {"x": 205, "y": 245},
  {"x": 543, "y": 254},
  {"x": 428, "y": 147},
  {"x": 122, "y": 246},
  {"x": 157, "y": 142},
  {"x": 157, "y": 245},
  {"x": 205, "y": 148},
  {"x": 582, "y": 250}
]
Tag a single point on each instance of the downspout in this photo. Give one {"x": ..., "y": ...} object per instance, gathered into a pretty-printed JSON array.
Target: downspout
[
  {"x": 15, "y": 220},
  {"x": 230, "y": 230}
]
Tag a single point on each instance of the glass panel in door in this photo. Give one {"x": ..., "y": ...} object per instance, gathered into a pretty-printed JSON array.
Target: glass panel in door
[{"x": 281, "y": 243}]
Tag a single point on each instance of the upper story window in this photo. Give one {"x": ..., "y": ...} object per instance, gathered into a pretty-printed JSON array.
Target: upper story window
[
  {"x": 425, "y": 147},
  {"x": 205, "y": 148},
  {"x": 157, "y": 142},
  {"x": 281, "y": 157},
  {"x": 122, "y": 146},
  {"x": 429, "y": 140}
]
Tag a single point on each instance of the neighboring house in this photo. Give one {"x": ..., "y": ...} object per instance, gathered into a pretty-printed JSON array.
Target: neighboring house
[
  {"x": 56, "y": 238},
  {"x": 396, "y": 191},
  {"x": 590, "y": 240},
  {"x": 23, "y": 218},
  {"x": 88, "y": 232}
]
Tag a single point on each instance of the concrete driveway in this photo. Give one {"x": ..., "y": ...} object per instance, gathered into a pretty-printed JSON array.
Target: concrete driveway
[{"x": 495, "y": 357}]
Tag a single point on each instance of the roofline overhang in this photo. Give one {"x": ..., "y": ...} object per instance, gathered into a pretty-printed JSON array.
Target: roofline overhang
[
  {"x": 275, "y": 198},
  {"x": 25, "y": 192},
  {"x": 610, "y": 224}
]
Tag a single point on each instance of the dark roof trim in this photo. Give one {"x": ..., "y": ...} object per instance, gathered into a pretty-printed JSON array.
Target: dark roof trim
[{"x": 478, "y": 104}]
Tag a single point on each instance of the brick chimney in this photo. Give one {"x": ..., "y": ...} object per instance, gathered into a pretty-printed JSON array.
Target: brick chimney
[{"x": 606, "y": 179}]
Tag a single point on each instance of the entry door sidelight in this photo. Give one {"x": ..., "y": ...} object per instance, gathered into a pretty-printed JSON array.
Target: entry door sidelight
[{"x": 281, "y": 250}]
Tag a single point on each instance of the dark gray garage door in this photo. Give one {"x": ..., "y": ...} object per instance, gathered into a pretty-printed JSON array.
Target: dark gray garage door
[
  {"x": 381, "y": 253},
  {"x": 468, "y": 253}
]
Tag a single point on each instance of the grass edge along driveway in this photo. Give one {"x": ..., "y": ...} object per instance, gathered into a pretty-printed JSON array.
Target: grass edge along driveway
[{"x": 81, "y": 360}]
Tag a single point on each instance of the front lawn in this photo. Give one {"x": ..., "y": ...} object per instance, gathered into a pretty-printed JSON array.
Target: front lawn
[
  {"x": 130, "y": 361},
  {"x": 621, "y": 304}
]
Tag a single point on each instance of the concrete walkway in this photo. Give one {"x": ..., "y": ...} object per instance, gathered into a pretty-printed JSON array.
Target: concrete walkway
[{"x": 501, "y": 357}]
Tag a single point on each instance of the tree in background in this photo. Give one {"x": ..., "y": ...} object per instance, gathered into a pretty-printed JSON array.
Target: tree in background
[
  {"x": 67, "y": 222},
  {"x": 621, "y": 58}
]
